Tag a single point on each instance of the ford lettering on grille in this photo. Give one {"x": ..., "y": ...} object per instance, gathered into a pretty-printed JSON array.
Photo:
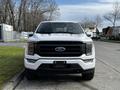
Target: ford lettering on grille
[{"x": 60, "y": 49}]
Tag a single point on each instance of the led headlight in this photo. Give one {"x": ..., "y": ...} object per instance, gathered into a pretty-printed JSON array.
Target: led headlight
[
  {"x": 88, "y": 49},
  {"x": 31, "y": 48}
]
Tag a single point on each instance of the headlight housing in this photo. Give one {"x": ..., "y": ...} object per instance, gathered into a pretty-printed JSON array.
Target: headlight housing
[
  {"x": 88, "y": 49},
  {"x": 31, "y": 48}
]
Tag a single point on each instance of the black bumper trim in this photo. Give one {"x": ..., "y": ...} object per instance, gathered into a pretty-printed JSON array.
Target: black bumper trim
[{"x": 68, "y": 69}]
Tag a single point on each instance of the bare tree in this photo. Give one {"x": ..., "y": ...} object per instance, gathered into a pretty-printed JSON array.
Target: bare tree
[
  {"x": 92, "y": 23},
  {"x": 11, "y": 8},
  {"x": 25, "y": 15},
  {"x": 87, "y": 22},
  {"x": 98, "y": 21},
  {"x": 114, "y": 15},
  {"x": 4, "y": 11},
  {"x": 52, "y": 8}
]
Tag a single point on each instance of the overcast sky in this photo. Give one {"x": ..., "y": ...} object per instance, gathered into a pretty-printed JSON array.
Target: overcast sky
[{"x": 78, "y": 9}]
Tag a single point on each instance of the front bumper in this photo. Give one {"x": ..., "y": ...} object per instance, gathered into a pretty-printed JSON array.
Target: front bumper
[{"x": 69, "y": 61}]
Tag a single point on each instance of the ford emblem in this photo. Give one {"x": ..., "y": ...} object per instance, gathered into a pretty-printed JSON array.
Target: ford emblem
[{"x": 60, "y": 49}]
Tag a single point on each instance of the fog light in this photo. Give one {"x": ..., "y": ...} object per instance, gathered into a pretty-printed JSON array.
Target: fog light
[
  {"x": 32, "y": 60},
  {"x": 88, "y": 60}
]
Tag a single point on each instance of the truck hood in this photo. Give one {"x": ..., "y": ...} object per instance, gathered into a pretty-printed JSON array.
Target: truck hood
[{"x": 60, "y": 37}]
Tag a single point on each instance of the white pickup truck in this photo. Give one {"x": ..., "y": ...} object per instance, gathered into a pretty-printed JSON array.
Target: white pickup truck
[{"x": 60, "y": 47}]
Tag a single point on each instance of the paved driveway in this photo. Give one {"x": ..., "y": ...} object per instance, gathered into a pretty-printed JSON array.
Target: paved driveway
[{"x": 107, "y": 76}]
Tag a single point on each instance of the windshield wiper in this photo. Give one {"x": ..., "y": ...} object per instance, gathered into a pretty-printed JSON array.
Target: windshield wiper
[
  {"x": 64, "y": 32},
  {"x": 56, "y": 32}
]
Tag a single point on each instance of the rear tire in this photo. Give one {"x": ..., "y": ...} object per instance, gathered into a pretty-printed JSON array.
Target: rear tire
[
  {"x": 88, "y": 75},
  {"x": 29, "y": 74}
]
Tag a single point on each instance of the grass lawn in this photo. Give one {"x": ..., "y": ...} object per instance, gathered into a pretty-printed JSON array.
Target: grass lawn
[{"x": 11, "y": 62}]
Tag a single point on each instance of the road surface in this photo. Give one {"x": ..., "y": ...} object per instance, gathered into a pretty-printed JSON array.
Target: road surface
[{"x": 107, "y": 75}]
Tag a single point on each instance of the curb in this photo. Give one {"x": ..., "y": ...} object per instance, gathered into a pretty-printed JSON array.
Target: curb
[{"x": 12, "y": 83}]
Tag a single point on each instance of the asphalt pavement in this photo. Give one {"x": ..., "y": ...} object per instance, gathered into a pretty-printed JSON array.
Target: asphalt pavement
[{"x": 107, "y": 74}]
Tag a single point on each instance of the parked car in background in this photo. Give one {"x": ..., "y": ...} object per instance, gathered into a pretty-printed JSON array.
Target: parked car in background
[{"x": 25, "y": 35}]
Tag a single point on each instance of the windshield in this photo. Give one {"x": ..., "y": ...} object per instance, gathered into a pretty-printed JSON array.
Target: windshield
[{"x": 72, "y": 28}]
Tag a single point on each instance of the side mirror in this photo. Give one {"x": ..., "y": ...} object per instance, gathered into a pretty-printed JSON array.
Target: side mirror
[
  {"x": 89, "y": 35},
  {"x": 30, "y": 35}
]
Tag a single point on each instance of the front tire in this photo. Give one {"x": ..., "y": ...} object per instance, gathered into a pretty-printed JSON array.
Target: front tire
[{"x": 88, "y": 75}]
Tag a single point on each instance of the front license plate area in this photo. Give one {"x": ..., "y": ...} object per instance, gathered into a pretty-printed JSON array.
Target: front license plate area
[{"x": 59, "y": 64}]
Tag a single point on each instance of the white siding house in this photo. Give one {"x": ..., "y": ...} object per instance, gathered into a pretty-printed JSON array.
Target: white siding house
[{"x": 6, "y": 32}]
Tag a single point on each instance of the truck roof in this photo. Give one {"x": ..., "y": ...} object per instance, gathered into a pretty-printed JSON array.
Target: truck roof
[{"x": 60, "y": 22}]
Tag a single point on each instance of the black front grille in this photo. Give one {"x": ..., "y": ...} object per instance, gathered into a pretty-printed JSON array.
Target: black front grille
[{"x": 47, "y": 48}]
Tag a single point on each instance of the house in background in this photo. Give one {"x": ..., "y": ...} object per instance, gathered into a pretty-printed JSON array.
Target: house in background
[
  {"x": 6, "y": 32},
  {"x": 116, "y": 32},
  {"x": 111, "y": 32}
]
